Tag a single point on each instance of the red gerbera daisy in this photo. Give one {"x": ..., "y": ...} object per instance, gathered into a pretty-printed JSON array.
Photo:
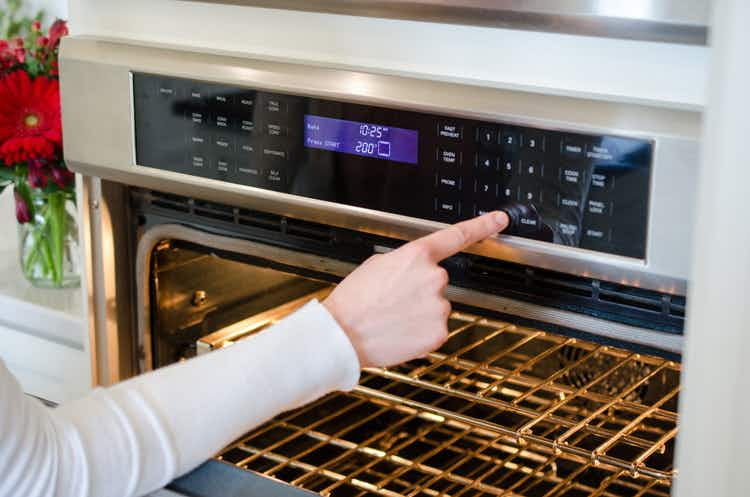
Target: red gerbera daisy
[{"x": 29, "y": 118}]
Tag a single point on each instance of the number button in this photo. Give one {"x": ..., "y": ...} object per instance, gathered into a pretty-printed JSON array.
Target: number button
[
  {"x": 533, "y": 141},
  {"x": 509, "y": 193},
  {"x": 532, "y": 168},
  {"x": 487, "y": 136},
  {"x": 486, "y": 162},
  {"x": 509, "y": 167},
  {"x": 509, "y": 140},
  {"x": 486, "y": 189}
]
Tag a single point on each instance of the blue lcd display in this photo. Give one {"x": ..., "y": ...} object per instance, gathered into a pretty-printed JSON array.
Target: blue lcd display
[{"x": 365, "y": 139}]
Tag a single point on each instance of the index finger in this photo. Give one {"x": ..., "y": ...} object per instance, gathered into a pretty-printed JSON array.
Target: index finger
[{"x": 454, "y": 239}]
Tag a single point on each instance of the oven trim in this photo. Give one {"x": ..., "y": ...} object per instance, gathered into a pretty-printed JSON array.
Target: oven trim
[
  {"x": 150, "y": 239},
  {"x": 97, "y": 76}
]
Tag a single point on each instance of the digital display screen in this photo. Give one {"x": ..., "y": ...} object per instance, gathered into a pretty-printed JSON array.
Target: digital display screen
[{"x": 365, "y": 139}]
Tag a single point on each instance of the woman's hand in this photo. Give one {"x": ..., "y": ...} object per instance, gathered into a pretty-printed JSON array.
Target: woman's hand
[{"x": 392, "y": 307}]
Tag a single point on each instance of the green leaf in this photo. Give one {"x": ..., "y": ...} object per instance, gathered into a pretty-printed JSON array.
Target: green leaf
[{"x": 7, "y": 174}]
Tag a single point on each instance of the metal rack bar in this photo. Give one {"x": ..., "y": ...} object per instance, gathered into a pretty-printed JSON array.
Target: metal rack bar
[{"x": 581, "y": 415}]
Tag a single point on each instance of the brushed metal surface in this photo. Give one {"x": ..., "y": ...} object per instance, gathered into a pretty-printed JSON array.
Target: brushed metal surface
[
  {"x": 98, "y": 127},
  {"x": 674, "y": 21}
]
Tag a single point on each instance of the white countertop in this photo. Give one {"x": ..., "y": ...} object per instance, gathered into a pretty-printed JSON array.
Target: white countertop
[
  {"x": 42, "y": 331},
  {"x": 67, "y": 303}
]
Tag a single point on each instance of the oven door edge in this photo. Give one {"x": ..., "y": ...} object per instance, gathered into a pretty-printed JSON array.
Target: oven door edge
[{"x": 587, "y": 324}]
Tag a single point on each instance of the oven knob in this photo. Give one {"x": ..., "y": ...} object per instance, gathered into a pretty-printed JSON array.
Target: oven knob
[{"x": 525, "y": 221}]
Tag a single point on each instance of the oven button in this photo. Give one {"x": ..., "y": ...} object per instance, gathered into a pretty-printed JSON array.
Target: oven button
[
  {"x": 569, "y": 203},
  {"x": 249, "y": 175},
  {"x": 572, "y": 148},
  {"x": 197, "y": 117},
  {"x": 247, "y": 125},
  {"x": 487, "y": 136},
  {"x": 568, "y": 229},
  {"x": 485, "y": 189},
  {"x": 245, "y": 102},
  {"x": 274, "y": 105},
  {"x": 448, "y": 183},
  {"x": 509, "y": 140},
  {"x": 532, "y": 168},
  {"x": 246, "y": 147},
  {"x": 223, "y": 121},
  {"x": 510, "y": 167},
  {"x": 508, "y": 192},
  {"x": 198, "y": 140},
  {"x": 223, "y": 165},
  {"x": 167, "y": 89},
  {"x": 573, "y": 176},
  {"x": 449, "y": 157},
  {"x": 275, "y": 178},
  {"x": 275, "y": 153},
  {"x": 450, "y": 130},
  {"x": 533, "y": 141},
  {"x": 602, "y": 181},
  {"x": 224, "y": 143},
  {"x": 447, "y": 209},
  {"x": 276, "y": 130},
  {"x": 599, "y": 207},
  {"x": 199, "y": 161},
  {"x": 530, "y": 194},
  {"x": 595, "y": 235},
  {"x": 486, "y": 162}
]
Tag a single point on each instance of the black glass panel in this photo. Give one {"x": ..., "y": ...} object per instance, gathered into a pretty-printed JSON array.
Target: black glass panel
[{"x": 574, "y": 189}]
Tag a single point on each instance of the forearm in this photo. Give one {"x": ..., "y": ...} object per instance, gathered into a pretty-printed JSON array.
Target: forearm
[{"x": 138, "y": 435}]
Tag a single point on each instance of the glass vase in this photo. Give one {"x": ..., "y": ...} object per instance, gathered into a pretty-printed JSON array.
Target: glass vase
[{"x": 48, "y": 243}]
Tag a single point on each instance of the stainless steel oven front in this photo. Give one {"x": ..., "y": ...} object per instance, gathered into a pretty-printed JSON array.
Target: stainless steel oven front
[{"x": 205, "y": 171}]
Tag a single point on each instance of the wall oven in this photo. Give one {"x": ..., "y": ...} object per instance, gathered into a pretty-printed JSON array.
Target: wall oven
[{"x": 222, "y": 192}]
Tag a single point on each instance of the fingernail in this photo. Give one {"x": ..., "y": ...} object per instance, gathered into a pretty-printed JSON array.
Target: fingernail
[{"x": 502, "y": 218}]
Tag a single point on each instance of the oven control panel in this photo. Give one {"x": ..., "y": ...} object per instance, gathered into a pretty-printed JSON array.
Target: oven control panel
[{"x": 569, "y": 188}]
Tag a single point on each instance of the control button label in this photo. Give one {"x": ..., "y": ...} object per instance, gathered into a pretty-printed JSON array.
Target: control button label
[
  {"x": 275, "y": 176},
  {"x": 598, "y": 207},
  {"x": 223, "y": 165},
  {"x": 198, "y": 161},
  {"x": 450, "y": 130},
  {"x": 224, "y": 143},
  {"x": 250, "y": 171},
  {"x": 198, "y": 118},
  {"x": 571, "y": 175},
  {"x": 597, "y": 234},
  {"x": 275, "y": 105},
  {"x": 568, "y": 229},
  {"x": 448, "y": 209},
  {"x": 275, "y": 152},
  {"x": 572, "y": 148},
  {"x": 600, "y": 152},
  {"x": 449, "y": 183},
  {"x": 570, "y": 202},
  {"x": 197, "y": 140},
  {"x": 276, "y": 130},
  {"x": 247, "y": 125},
  {"x": 223, "y": 121},
  {"x": 602, "y": 181},
  {"x": 449, "y": 157}
]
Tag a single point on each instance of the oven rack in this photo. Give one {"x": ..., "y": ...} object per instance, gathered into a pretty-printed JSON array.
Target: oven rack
[{"x": 499, "y": 410}]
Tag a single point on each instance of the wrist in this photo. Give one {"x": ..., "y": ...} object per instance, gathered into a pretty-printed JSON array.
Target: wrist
[{"x": 333, "y": 308}]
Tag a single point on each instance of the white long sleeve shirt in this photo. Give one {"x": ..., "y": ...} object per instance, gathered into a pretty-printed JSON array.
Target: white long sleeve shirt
[{"x": 139, "y": 435}]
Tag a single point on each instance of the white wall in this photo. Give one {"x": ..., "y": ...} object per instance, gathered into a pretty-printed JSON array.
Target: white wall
[
  {"x": 53, "y": 9},
  {"x": 672, "y": 74}
]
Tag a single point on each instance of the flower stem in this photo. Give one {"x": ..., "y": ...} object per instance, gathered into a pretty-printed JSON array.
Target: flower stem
[{"x": 56, "y": 216}]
